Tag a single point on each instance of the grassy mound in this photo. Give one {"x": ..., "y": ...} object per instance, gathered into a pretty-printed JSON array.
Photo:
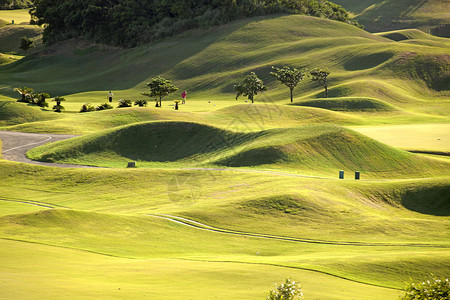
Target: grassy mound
[
  {"x": 151, "y": 141},
  {"x": 326, "y": 149},
  {"x": 348, "y": 104},
  {"x": 10, "y": 37},
  {"x": 404, "y": 34},
  {"x": 12, "y": 113},
  {"x": 433, "y": 69},
  {"x": 380, "y": 15},
  {"x": 314, "y": 149}
]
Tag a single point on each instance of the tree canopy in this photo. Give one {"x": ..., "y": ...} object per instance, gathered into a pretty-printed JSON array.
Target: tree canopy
[
  {"x": 320, "y": 75},
  {"x": 128, "y": 23},
  {"x": 26, "y": 44},
  {"x": 160, "y": 88},
  {"x": 290, "y": 77},
  {"x": 250, "y": 87}
]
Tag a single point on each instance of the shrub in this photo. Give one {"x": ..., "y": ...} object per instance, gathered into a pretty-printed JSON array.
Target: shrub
[
  {"x": 86, "y": 107},
  {"x": 124, "y": 103},
  {"x": 289, "y": 290},
  {"x": 103, "y": 106},
  {"x": 436, "y": 289},
  {"x": 40, "y": 99},
  {"x": 141, "y": 103}
]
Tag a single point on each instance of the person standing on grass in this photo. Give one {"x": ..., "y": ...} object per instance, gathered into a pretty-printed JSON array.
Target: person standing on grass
[
  {"x": 183, "y": 97},
  {"x": 110, "y": 96}
]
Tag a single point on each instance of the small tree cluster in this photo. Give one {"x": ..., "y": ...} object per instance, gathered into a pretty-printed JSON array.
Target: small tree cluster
[
  {"x": 27, "y": 95},
  {"x": 288, "y": 76},
  {"x": 436, "y": 289},
  {"x": 86, "y": 107},
  {"x": 289, "y": 290}
]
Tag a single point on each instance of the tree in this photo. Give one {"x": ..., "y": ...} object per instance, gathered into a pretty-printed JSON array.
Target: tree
[
  {"x": 289, "y": 290},
  {"x": 25, "y": 94},
  {"x": 40, "y": 101},
  {"x": 26, "y": 44},
  {"x": 58, "y": 107},
  {"x": 160, "y": 88},
  {"x": 320, "y": 76},
  {"x": 289, "y": 77},
  {"x": 250, "y": 87}
]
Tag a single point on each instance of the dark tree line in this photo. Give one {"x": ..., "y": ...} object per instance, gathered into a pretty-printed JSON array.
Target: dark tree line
[
  {"x": 15, "y": 4},
  {"x": 128, "y": 23}
]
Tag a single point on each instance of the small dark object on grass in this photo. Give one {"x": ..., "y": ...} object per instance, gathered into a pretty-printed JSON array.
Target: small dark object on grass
[{"x": 131, "y": 164}]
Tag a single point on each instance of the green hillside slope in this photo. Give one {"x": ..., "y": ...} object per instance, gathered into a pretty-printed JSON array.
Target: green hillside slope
[
  {"x": 210, "y": 62},
  {"x": 315, "y": 149},
  {"x": 377, "y": 15},
  {"x": 12, "y": 113}
]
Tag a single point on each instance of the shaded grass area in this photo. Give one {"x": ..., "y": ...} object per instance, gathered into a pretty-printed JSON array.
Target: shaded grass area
[
  {"x": 348, "y": 104},
  {"x": 377, "y": 15},
  {"x": 314, "y": 149},
  {"x": 10, "y": 38}
]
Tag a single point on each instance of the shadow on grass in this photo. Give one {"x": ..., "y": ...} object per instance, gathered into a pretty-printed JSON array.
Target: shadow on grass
[{"x": 429, "y": 200}]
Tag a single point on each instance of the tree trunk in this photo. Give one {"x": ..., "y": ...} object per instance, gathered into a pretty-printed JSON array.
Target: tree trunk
[
  {"x": 251, "y": 98},
  {"x": 292, "y": 98},
  {"x": 160, "y": 99},
  {"x": 326, "y": 92}
]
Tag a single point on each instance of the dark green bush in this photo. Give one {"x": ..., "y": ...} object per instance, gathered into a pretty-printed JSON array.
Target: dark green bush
[
  {"x": 103, "y": 106},
  {"x": 86, "y": 107},
  {"x": 144, "y": 21},
  {"x": 141, "y": 103},
  {"x": 124, "y": 103}
]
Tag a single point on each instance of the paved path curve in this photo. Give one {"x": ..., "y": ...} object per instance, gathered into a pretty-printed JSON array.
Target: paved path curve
[
  {"x": 16, "y": 145},
  {"x": 201, "y": 226}
]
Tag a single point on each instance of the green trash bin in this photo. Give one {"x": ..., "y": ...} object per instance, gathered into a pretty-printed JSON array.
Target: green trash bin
[
  {"x": 357, "y": 175},
  {"x": 341, "y": 174}
]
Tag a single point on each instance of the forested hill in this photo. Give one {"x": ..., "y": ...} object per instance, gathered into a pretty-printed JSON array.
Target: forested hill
[
  {"x": 14, "y": 4},
  {"x": 128, "y": 23}
]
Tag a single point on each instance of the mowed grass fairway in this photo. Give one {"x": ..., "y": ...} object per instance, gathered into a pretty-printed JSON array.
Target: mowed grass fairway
[{"x": 230, "y": 197}]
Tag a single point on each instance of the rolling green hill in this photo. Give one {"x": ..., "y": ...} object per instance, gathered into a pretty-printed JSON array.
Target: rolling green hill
[
  {"x": 230, "y": 197},
  {"x": 315, "y": 149},
  {"x": 10, "y": 38},
  {"x": 12, "y": 113},
  {"x": 377, "y": 15},
  {"x": 209, "y": 62}
]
